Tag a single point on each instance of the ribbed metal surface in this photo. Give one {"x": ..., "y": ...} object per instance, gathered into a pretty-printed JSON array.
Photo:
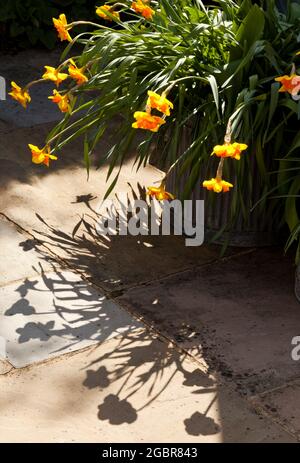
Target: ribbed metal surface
[
  {"x": 256, "y": 231},
  {"x": 297, "y": 283}
]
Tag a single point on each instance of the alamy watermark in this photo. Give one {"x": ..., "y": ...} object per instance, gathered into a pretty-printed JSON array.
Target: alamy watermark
[
  {"x": 152, "y": 218},
  {"x": 2, "y": 88},
  {"x": 295, "y": 354}
]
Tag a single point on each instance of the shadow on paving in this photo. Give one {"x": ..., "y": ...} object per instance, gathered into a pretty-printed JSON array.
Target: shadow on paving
[
  {"x": 55, "y": 313},
  {"x": 195, "y": 308},
  {"x": 91, "y": 254},
  {"x": 117, "y": 262},
  {"x": 190, "y": 310},
  {"x": 147, "y": 366},
  {"x": 15, "y": 159}
]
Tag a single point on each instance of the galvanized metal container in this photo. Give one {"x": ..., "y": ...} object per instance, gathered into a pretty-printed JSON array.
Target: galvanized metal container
[
  {"x": 297, "y": 283},
  {"x": 259, "y": 229}
]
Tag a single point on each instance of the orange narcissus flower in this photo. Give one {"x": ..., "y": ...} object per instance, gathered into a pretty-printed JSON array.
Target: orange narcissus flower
[
  {"x": 19, "y": 94},
  {"x": 159, "y": 193},
  {"x": 230, "y": 150},
  {"x": 101, "y": 12},
  {"x": 159, "y": 102},
  {"x": 61, "y": 25},
  {"x": 54, "y": 75},
  {"x": 145, "y": 10},
  {"x": 63, "y": 101},
  {"x": 147, "y": 122},
  {"x": 217, "y": 185},
  {"x": 41, "y": 156},
  {"x": 77, "y": 73},
  {"x": 290, "y": 84}
]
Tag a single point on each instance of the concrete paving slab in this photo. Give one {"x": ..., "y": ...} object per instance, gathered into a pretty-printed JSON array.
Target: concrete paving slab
[
  {"x": 19, "y": 259},
  {"x": 134, "y": 388},
  {"x": 40, "y": 110},
  {"x": 5, "y": 367},
  {"x": 118, "y": 262},
  {"x": 283, "y": 406},
  {"x": 37, "y": 59},
  {"x": 4, "y": 127},
  {"x": 55, "y": 313},
  {"x": 23, "y": 68},
  {"x": 238, "y": 316},
  {"x": 64, "y": 184},
  {"x": 131, "y": 387},
  {"x": 121, "y": 262}
]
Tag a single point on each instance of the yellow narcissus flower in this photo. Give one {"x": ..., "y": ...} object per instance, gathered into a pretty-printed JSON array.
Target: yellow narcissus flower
[
  {"x": 159, "y": 193},
  {"x": 147, "y": 122},
  {"x": 77, "y": 73},
  {"x": 217, "y": 185},
  {"x": 63, "y": 101},
  {"x": 229, "y": 150},
  {"x": 101, "y": 11},
  {"x": 20, "y": 95},
  {"x": 140, "y": 7},
  {"x": 41, "y": 156},
  {"x": 61, "y": 25},
  {"x": 159, "y": 102},
  {"x": 54, "y": 75},
  {"x": 289, "y": 84}
]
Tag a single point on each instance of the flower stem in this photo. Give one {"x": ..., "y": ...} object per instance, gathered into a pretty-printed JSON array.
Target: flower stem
[
  {"x": 228, "y": 135},
  {"x": 220, "y": 169},
  {"x": 27, "y": 87},
  {"x": 79, "y": 23},
  {"x": 66, "y": 62}
]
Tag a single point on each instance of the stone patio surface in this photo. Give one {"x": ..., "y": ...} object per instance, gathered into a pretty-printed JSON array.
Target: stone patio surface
[{"x": 129, "y": 339}]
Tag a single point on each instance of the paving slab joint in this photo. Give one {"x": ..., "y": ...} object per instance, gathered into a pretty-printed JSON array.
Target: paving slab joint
[
  {"x": 7, "y": 367},
  {"x": 115, "y": 294},
  {"x": 186, "y": 270},
  {"x": 51, "y": 360},
  {"x": 262, "y": 411},
  {"x": 111, "y": 294},
  {"x": 292, "y": 382}
]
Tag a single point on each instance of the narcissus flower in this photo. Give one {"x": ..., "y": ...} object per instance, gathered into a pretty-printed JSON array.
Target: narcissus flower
[
  {"x": 41, "y": 156},
  {"x": 159, "y": 193},
  {"x": 63, "y": 101},
  {"x": 230, "y": 150},
  {"x": 77, "y": 73},
  {"x": 54, "y": 75},
  {"x": 159, "y": 102},
  {"x": 140, "y": 7},
  {"x": 101, "y": 11},
  {"x": 61, "y": 25},
  {"x": 290, "y": 84},
  {"x": 217, "y": 185},
  {"x": 147, "y": 122},
  {"x": 19, "y": 94}
]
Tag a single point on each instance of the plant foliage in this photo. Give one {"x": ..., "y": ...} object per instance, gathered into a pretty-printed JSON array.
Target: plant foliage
[{"x": 219, "y": 63}]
